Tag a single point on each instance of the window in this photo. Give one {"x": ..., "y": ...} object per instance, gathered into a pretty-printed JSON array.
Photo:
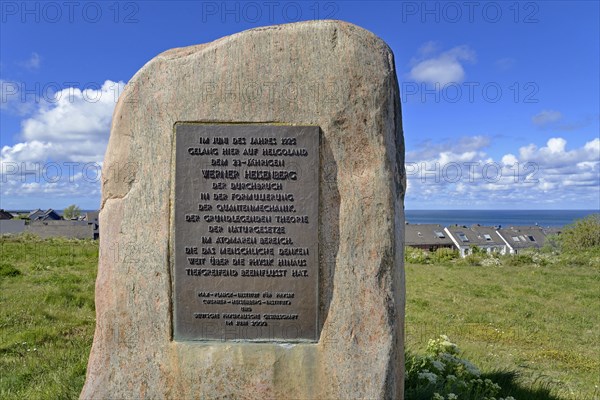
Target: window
[
  {"x": 439, "y": 234},
  {"x": 515, "y": 239},
  {"x": 487, "y": 237},
  {"x": 531, "y": 238},
  {"x": 462, "y": 237},
  {"x": 522, "y": 238}
]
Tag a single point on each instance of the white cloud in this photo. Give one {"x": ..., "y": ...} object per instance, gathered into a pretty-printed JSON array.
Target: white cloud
[
  {"x": 546, "y": 117},
  {"x": 557, "y": 145},
  {"x": 593, "y": 147},
  {"x": 428, "y": 48},
  {"x": 458, "y": 176},
  {"x": 73, "y": 126},
  {"x": 62, "y": 144},
  {"x": 13, "y": 100},
  {"x": 429, "y": 149},
  {"x": 33, "y": 62},
  {"x": 505, "y": 64},
  {"x": 443, "y": 69}
]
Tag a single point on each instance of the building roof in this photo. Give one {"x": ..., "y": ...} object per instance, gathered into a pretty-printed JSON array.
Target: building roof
[
  {"x": 35, "y": 213},
  {"x": 521, "y": 237},
  {"x": 5, "y": 215},
  {"x": 552, "y": 230},
  {"x": 476, "y": 235},
  {"x": 425, "y": 235},
  {"x": 39, "y": 215}
]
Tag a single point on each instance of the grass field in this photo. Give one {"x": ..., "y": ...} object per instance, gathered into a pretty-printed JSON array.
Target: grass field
[
  {"x": 46, "y": 317},
  {"x": 541, "y": 323}
]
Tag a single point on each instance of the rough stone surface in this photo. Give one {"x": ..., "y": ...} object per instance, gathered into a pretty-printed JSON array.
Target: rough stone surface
[{"x": 326, "y": 73}]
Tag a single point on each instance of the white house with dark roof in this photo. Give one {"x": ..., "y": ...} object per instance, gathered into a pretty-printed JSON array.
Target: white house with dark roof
[
  {"x": 518, "y": 238},
  {"x": 427, "y": 237},
  {"x": 483, "y": 237}
]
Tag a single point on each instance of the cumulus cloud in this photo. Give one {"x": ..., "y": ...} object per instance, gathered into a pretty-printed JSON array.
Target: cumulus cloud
[
  {"x": 13, "y": 100},
  {"x": 552, "y": 175},
  {"x": 444, "y": 68},
  {"x": 62, "y": 144},
  {"x": 72, "y": 126},
  {"x": 428, "y": 149}
]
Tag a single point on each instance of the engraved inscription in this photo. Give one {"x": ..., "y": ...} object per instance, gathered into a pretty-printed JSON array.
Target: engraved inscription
[{"x": 246, "y": 232}]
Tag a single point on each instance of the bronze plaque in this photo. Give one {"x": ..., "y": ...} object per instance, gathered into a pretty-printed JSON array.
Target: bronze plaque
[{"x": 246, "y": 232}]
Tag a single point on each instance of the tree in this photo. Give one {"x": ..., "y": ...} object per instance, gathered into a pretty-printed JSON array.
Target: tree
[
  {"x": 73, "y": 211},
  {"x": 582, "y": 235}
]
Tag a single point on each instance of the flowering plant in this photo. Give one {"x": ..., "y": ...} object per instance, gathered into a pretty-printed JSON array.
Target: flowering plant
[{"x": 442, "y": 375}]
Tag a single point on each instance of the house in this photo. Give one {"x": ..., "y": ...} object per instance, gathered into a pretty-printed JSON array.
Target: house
[
  {"x": 92, "y": 219},
  {"x": 518, "y": 238},
  {"x": 48, "y": 215},
  {"x": 483, "y": 237},
  {"x": 427, "y": 237},
  {"x": 35, "y": 214},
  {"x": 5, "y": 215}
]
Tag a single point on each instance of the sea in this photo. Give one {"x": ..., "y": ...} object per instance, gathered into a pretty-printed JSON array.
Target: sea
[
  {"x": 543, "y": 218},
  {"x": 504, "y": 218}
]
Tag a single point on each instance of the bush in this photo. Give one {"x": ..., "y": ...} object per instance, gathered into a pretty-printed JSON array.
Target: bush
[
  {"x": 443, "y": 255},
  {"x": 583, "y": 234},
  {"x": 441, "y": 374},
  {"x": 472, "y": 260},
  {"x": 552, "y": 244},
  {"x": 477, "y": 251},
  {"x": 414, "y": 255},
  {"x": 515, "y": 260},
  {"x": 8, "y": 270}
]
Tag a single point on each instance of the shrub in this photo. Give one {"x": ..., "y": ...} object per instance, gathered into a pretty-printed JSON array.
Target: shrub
[
  {"x": 441, "y": 374},
  {"x": 414, "y": 255},
  {"x": 442, "y": 255},
  {"x": 515, "y": 260},
  {"x": 583, "y": 234},
  {"x": 491, "y": 262},
  {"x": 7, "y": 270},
  {"x": 552, "y": 244},
  {"x": 472, "y": 260},
  {"x": 476, "y": 250}
]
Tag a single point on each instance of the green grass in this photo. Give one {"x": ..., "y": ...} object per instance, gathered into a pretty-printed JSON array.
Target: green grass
[
  {"x": 533, "y": 330},
  {"x": 46, "y": 316}
]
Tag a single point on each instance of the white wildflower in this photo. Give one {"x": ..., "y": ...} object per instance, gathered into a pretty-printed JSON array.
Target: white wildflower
[
  {"x": 431, "y": 377},
  {"x": 438, "y": 365}
]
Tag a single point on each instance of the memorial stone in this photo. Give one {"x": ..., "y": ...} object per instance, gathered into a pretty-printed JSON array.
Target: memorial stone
[{"x": 252, "y": 220}]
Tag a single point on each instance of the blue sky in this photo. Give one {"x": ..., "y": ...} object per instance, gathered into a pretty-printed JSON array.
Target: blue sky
[{"x": 500, "y": 100}]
